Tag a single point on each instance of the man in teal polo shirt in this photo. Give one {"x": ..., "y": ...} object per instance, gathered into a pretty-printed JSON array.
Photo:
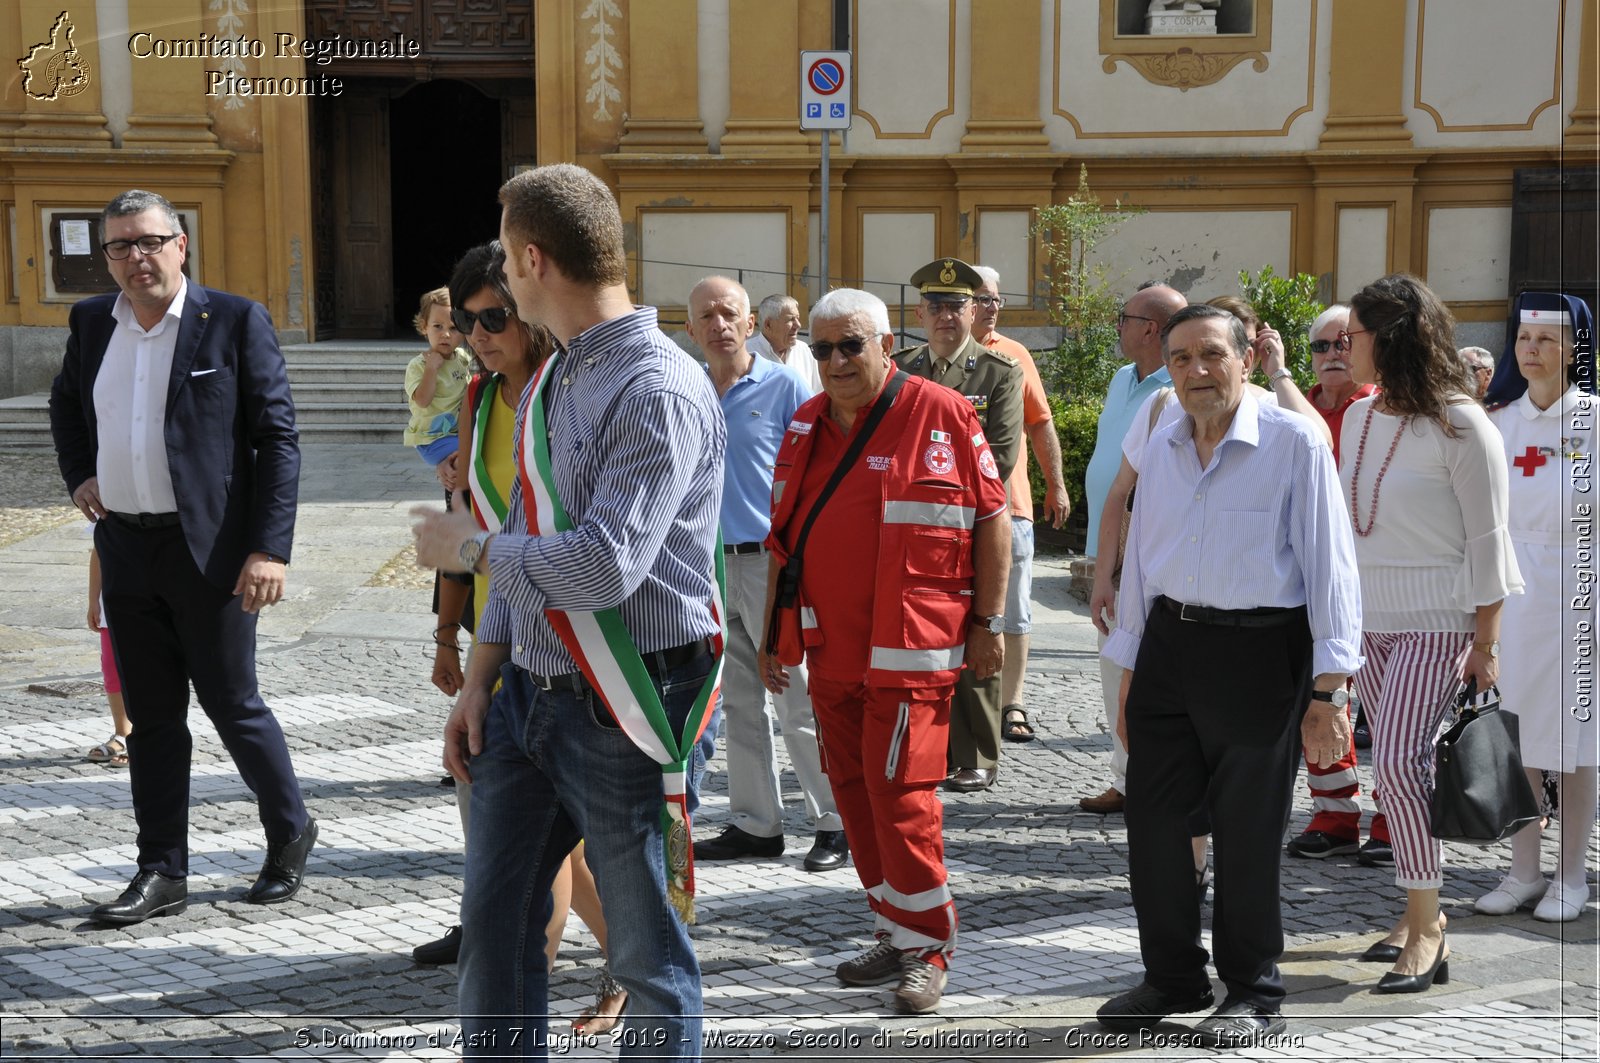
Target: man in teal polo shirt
[
  {"x": 758, "y": 399},
  {"x": 1139, "y": 328}
]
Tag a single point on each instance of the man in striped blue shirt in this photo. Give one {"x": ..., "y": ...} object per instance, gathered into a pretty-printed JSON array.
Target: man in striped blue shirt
[
  {"x": 1239, "y": 621},
  {"x": 635, "y": 453}
]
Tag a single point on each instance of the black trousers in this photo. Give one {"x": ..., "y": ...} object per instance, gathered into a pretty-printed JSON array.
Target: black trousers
[
  {"x": 170, "y": 626},
  {"x": 1213, "y": 721}
]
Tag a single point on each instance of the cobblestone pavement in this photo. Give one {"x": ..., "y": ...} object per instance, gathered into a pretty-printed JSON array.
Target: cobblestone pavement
[{"x": 1047, "y": 931}]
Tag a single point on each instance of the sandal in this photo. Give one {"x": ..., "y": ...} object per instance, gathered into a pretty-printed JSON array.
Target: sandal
[
  {"x": 113, "y": 751},
  {"x": 1014, "y": 725},
  {"x": 606, "y": 1011}
]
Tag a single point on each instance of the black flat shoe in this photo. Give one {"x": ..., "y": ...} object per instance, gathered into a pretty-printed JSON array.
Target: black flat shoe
[
  {"x": 736, "y": 844},
  {"x": 1144, "y": 1006},
  {"x": 828, "y": 852},
  {"x": 149, "y": 894},
  {"x": 1382, "y": 952},
  {"x": 444, "y": 950},
  {"x": 1438, "y": 974},
  {"x": 1240, "y": 1024},
  {"x": 285, "y": 868}
]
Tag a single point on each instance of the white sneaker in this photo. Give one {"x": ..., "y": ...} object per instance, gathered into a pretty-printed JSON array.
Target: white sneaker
[
  {"x": 1510, "y": 895},
  {"x": 1562, "y": 903}
]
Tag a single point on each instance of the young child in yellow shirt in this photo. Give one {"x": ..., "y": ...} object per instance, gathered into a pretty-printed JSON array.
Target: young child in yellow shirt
[{"x": 436, "y": 380}]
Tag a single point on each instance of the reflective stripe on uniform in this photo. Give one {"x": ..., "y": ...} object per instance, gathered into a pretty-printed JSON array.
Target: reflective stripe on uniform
[
  {"x": 1336, "y": 804},
  {"x": 925, "y": 901},
  {"x": 808, "y": 617},
  {"x": 893, "y": 659},
  {"x": 932, "y": 514}
]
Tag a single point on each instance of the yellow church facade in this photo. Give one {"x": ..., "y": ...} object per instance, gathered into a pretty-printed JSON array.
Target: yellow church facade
[{"x": 331, "y": 165}]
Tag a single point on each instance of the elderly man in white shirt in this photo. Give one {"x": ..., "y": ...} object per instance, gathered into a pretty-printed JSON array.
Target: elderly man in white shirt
[
  {"x": 1235, "y": 657},
  {"x": 778, "y": 318}
]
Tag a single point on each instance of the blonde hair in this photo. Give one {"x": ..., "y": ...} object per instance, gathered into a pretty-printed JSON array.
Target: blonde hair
[{"x": 437, "y": 297}]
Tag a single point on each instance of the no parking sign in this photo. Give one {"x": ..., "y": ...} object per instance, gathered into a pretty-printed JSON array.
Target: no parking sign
[{"x": 825, "y": 90}]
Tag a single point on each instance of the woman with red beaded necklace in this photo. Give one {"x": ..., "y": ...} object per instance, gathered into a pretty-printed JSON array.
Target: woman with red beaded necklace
[{"x": 1425, "y": 476}]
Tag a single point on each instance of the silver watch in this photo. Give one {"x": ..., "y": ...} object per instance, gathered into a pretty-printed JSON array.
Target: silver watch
[
  {"x": 995, "y": 625},
  {"x": 472, "y": 550},
  {"x": 1337, "y": 698}
]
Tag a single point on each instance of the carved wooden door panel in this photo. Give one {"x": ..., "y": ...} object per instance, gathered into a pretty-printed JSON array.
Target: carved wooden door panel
[{"x": 364, "y": 282}]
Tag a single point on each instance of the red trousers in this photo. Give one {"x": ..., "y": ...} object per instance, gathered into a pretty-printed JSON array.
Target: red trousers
[
  {"x": 883, "y": 749},
  {"x": 1336, "y": 799}
]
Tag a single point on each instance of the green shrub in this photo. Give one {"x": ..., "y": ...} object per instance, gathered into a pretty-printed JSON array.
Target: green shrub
[
  {"x": 1077, "y": 421},
  {"x": 1288, "y": 304}
]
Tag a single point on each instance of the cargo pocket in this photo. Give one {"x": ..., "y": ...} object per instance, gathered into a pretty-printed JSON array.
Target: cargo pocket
[{"x": 919, "y": 740}]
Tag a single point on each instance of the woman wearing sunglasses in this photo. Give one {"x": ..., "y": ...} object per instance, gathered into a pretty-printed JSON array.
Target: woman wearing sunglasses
[
  {"x": 1542, "y": 400},
  {"x": 1425, "y": 477},
  {"x": 511, "y": 352}
]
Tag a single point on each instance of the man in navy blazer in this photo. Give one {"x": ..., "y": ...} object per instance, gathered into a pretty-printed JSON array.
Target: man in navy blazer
[{"x": 174, "y": 429}]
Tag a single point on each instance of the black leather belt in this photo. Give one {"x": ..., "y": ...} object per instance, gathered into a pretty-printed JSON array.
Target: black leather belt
[
  {"x": 1264, "y": 616},
  {"x": 145, "y": 520},
  {"x": 657, "y": 663},
  {"x": 743, "y": 548}
]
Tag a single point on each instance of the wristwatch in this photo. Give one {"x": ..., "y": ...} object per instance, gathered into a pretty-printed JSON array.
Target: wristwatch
[
  {"x": 472, "y": 550},
  {"x": 1273, "y": 379},
  {"x": 994, "y": 624},
  {"x": 1337, "y": 698},
  {"x": 1491, "y": 648}
]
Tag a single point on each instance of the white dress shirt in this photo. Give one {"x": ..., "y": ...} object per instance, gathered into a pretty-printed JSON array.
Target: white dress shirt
[
  {"x": 130, "y": 407},
  {"x": 1262, "y": 525},
  {"x": 797, "y": 358}
]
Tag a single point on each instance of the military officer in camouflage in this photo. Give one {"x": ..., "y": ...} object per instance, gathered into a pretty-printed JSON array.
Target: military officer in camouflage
[{"x": 992, "y": 382}]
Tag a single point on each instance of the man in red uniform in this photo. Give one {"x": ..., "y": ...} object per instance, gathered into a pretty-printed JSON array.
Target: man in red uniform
[
  {"x": 1335, "y": 827},
  {"x": 903, "y": 581}
]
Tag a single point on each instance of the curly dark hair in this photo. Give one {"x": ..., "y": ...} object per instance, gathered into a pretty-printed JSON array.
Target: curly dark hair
[
  {"x": 1413, "y": 348},
  {"x": 484, "y": 267}
]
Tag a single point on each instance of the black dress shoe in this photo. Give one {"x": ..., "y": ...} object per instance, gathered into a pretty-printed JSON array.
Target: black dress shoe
[
  {"x": 1382, "y": 952},
  {"x": 285, "y": 868},
  {"x": 970, "y": 780},
  {"x": 150, "y": 893},
  {"x": 736, "y": 844},
  {"x": 1240, "y": 1024},
  {"x": 1375, "y": 853},
  {"x": 1144, "y": 1006},
  {"x": 828, "y": 852},
  {"x": 1438, "y": 974},
  {"x": 445, "y": 950}
]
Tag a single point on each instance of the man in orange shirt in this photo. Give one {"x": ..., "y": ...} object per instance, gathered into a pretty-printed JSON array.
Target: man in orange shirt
[{"x": 1040, "y": 427}]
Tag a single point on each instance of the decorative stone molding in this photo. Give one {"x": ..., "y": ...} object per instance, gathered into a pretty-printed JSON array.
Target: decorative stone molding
[{"x": 1185, "y": 68}]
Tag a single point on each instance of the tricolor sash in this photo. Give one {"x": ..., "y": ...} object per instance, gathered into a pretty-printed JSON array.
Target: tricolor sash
[
  {"x": 480, "y": 489},
  {"x": 608, "y": 658}
]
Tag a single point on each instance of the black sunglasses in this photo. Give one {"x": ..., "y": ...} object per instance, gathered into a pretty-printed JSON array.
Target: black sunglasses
[
  {"x": 850, "y": 348},
  {"x": 1321, "y": 346},
  {"x": 493, "y": 319}
]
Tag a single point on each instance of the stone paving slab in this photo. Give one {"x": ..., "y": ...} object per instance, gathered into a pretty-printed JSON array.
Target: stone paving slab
[{"x": 1047, "y": 928}]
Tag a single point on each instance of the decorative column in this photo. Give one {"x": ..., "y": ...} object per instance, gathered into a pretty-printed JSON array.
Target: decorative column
[
  {"x": 1004, "y": 74},
  {"x": 764, "y": 79},
  {"x": 169, "y": 103},
  {"x": 1584, "y": 132},
  {"x": 1366, "y": 66},
  {"x": 664, "y": 85}
]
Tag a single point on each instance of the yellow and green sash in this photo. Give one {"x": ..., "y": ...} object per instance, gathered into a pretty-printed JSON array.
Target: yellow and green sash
[{"x": 608, "y": 658}]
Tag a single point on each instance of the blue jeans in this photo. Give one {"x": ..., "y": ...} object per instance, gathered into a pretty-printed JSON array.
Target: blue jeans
[{"x": 556, "y": 769}]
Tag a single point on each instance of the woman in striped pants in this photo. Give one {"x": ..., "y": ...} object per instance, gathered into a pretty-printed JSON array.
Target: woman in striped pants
[{"x": 1424, "y": 473}]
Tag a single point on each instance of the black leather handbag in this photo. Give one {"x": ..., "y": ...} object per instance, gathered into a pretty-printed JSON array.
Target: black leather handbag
[{"x": 1480, "y": 792}]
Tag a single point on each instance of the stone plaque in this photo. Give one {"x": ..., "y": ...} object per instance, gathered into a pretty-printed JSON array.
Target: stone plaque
[{"x": 1181, "y": 23}]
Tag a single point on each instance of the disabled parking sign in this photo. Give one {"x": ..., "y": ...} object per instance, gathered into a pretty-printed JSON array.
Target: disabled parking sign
[{"x": 825, "y": 90}]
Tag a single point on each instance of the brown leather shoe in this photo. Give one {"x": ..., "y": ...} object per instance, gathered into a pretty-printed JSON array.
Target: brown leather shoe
[
  {"x": 970, "y": 780},
  {"x": 1110, "y": 801}
]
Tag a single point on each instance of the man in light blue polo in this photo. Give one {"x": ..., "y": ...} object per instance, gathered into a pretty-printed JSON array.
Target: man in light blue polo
[
  {"x": 1139, "y": 327},
  {"x": 758, "y": 399}
]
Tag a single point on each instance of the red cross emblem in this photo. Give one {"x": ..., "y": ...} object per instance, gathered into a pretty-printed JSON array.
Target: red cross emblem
[{"x": 1530, "y": 460}]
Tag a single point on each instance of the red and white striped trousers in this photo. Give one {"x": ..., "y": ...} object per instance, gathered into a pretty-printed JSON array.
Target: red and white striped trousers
[
  {"x": 1404, "y": 684},
  {"x": 1336, "y": 799}
]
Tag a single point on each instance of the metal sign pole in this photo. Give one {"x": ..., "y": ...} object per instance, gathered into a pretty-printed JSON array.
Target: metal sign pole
[{"x": 827, "y": 139}]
